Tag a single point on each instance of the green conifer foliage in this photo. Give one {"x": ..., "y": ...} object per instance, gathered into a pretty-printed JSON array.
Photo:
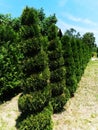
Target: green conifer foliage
[
  {"x": 71, "y": 80},
  {"x": 76, "y": 57},
  {"x": 89, "y": 42},
  {"x": 97, "y": 51},
  {"x": 57, "y": 70},
  {"x": 84, "y": 55},
  {"x": 39, "y": 121},
  {"x": 81, "y": 53},
  {"x": 9, "y": 63},
  {"x": 81, "y": 56},
  {"x": 36, "y": 91}
]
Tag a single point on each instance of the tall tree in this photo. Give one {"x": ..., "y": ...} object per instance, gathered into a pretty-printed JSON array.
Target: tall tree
[
  {"x": 89, "y": 39},
  {"x": 74, "y": 46},
  {"x": 34, "y": 102},
  {"x": 70, "y": 32},
  {"x": 71, "y": 80},
  {"x": 81, "y": 55},
  {"x": 57, "y": 70}
]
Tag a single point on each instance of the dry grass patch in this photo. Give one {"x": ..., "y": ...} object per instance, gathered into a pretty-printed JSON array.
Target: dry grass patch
[
  {"x": 81, "y": 111},
  {"x": 8, "y": 114}
]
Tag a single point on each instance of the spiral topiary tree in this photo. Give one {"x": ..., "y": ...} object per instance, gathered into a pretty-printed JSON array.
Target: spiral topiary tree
[
  {"x": 34, "y": 102},
  {"x": 74, "y": 45},
  {"x": 57, "y": 70},
  {"x": 71, "y": 80},
  {"x": 81, "y": 54}
]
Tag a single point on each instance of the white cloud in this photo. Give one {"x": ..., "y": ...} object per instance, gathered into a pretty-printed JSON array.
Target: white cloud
[
  {"x": 64, "y": 26},
  {"x": 88, "y": 3},
  {"x": 62, "y": 3},
  {"x": 81, "y": 20}
]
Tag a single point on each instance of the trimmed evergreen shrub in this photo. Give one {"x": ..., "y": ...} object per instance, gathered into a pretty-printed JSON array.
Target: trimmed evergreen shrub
[
  {"x": 10, "y": 70},
  {"x": 34, "y": 102},
  {"x": 82, "y": 56},
  {"x": 39, "y": 121},
  {"x": 34, "y": 83},
  {"x": 76, "y": 54},
  {"x": 71, "y": 84},
  {"x": 57, "y": 70},
  {"x": 35, "y": 64},
  {"x": 55, "y": 64},
  {"x": 29, "y": 46},
  {"x": 58, "y": 101},
  {"x": 60, "y": 96},
  {"x": 71, "y": 80},
  {"x": 54, "y": 55},
  {"x": 57, "y": 88},
  {"x": 36, "y": 90},
  {"x": 57, "y": 75}
]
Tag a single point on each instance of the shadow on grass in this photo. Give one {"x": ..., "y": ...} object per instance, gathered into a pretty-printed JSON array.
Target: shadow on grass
[{"x": 9, "y": 94}]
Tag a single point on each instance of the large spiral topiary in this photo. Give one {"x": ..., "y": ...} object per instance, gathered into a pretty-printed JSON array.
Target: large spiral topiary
[{"x": 36, "y": 90}]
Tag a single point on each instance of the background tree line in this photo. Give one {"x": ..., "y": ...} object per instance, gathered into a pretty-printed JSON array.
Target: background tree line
[{"x": 37, "y": 59}]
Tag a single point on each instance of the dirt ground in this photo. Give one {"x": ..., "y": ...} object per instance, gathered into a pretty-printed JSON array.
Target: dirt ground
[
  {"x": 81, "y": 111},
  {"x": 8, "y": 114}
]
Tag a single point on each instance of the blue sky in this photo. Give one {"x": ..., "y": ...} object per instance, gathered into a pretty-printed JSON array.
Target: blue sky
[{"x": 82, "y": 15}]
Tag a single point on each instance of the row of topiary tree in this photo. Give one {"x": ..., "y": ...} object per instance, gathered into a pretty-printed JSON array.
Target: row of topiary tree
[
  {"x": 52, "y": 67},
  {"x": 43, "y": 63}
]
